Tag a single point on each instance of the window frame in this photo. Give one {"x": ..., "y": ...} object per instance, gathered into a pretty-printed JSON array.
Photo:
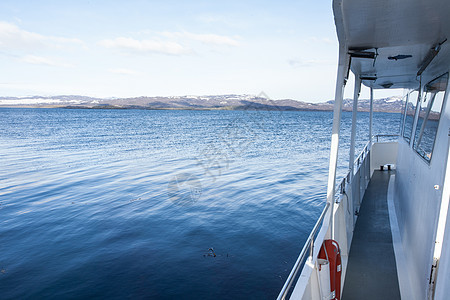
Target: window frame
[
  {"x": 403, "y": 113},
  {"x": 410, "y": 139},
  {"x": 422, "y": 128}
]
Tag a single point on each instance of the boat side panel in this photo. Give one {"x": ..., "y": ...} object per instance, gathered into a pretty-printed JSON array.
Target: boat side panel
[
  {"x": 443, "y": 273},
  {"x": 383, "y": 154},
  {"x": 418, "y": 203},
  {"x": 443, "y": 276}
]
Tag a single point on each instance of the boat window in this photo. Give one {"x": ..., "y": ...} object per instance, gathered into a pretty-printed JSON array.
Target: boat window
[
  {"x": 402, "y": 121},
  {"x": 429, "y": 115},
  {"x": 410, "y": 109}
]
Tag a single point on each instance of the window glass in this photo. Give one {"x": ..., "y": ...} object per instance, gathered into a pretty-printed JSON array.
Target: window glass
[
  {"x": 402, "y": 120},
  {"x": 429, "y": 115},
  {"x": 410, "y": 111}
]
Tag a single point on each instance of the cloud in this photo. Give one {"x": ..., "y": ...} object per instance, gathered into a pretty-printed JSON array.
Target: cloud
[
  {"x": 206, "y": 38},
  {"x": 315, "y": 40},
  {"x": 12, "y": 37},
  {"x": 123, "y": 71},
  {"x": 39, "y": 60},
  {"x": 171, "y": 43},
  {"x": 308, "y": 62},
  {"x": 144, "y": 46}
]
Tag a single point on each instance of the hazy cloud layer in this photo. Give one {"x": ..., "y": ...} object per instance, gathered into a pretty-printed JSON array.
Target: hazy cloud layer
[
  {"x": 39, "y": 60},
  {"x": 13, "y": 37},
  {"x": 206, "y": 38},
  {"x": 123, "y": 71},
  {"x": 177, "y": 43},
  {"x": 127, "y": 44},
  {"x": 316, "y": 40},
  {"x": 302, "y": 63}
]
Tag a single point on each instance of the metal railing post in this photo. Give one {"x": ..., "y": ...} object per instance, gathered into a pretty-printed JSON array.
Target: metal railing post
[
  {"x": 309, "y": 244},
  {"x": 344, "y": 61},
  {"x": 354, "y": 114},
  {"x": 371, "y": 116}
]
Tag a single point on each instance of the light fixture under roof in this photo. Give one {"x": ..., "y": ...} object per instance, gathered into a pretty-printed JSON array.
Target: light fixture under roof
[
  {"x": 429, "y": 57},
  {"x": 387, "y": 85},
  {"x": 399, "y": 56},
  {"x": 368, "y": 77},
  {"x": 361, "y": 54}
]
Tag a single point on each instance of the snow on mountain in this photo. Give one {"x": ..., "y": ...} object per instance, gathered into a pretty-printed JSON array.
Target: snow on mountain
[{"x": 229, "y": 101}]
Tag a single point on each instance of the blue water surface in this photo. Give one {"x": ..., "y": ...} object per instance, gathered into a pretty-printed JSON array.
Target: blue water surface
[{"x": 161, "y": 204}]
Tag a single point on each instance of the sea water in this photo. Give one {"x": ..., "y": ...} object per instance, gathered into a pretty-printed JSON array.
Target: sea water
[{"x": 161, "y": 204}]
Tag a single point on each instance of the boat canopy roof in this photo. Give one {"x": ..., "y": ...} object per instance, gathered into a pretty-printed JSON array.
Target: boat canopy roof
[{"x": 395, "y": 43}]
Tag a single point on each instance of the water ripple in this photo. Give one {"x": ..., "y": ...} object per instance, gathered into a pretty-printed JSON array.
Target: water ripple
[{"x": 128, "y": 203}]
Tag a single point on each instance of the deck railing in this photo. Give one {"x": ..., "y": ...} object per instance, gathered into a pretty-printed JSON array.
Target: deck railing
[
  {"x": 353, "y": 186},
  {"x": 308, "y": 248},
  {"x": 361, "y": 177},
  {"x": 361, "y": 168},
  {"x": 390, "y": 137}
]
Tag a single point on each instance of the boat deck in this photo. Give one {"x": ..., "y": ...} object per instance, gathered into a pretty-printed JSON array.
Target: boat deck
[{"x": 371, "y": 271}]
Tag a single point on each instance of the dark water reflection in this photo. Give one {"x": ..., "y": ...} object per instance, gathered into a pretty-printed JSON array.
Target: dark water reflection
[{"x": 127, "y": 203}]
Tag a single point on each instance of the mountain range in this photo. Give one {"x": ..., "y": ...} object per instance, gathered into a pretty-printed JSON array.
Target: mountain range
[{"x": 210, "y": 102}]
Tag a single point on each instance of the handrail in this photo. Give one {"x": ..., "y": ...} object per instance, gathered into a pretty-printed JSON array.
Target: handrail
[
  {"x": 364, "y": 151},
  {"x": 358, "y": 161},
  {"x": 308, "y": 244},
  {"x": 386, "y": 135},
  {"x": 341, "y": 187}
]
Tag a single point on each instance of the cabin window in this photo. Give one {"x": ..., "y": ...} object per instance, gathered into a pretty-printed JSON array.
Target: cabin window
[
  {"x": 429, "y": 115},
  {"x": 402, "y": 121},
  {"x": 410, "y": 110}
]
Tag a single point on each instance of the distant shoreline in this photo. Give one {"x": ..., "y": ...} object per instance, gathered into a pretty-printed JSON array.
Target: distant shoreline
[
  {"x": 188, "y": 109},
  {"x": 196, "y": 103}
]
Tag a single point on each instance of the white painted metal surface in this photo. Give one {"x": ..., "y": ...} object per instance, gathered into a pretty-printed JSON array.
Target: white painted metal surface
[
  {"x": 418, "y": 204},
  {"x": 391, "y": 28},
  {"x": 353, "y": 134},
  {"x": 440, "y": 261},
  {"x": 402, "y": 34},
  {"x": 383, "y": 154},
  {"x": 397, "y": 38},
  {"x": 339, "y": 94},
  {"x": 371, "y": 115},
  {"x": 403, "y": 268},
  {"x": 443, "y": 272}
]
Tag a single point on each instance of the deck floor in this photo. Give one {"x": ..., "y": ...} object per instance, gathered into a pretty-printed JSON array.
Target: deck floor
[{"x": 371, "y": 270}]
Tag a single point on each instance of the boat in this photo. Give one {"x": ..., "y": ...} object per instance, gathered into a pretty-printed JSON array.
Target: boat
[{"x": 388, "y": 217}]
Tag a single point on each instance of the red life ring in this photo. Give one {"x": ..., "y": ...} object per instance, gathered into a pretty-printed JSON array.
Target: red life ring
[{"x": 330, "y": 254}]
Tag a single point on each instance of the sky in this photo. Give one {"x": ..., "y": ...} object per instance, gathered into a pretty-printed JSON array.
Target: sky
[{"x": 286, "y": 49}]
